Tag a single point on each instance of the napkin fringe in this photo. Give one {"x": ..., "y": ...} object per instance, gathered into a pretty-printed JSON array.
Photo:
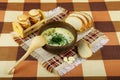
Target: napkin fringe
[
  {"x": 64, "y": 69},
  {"x": 99, "y": 43}
]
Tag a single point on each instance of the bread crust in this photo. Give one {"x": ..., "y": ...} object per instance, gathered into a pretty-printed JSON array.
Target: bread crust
[
  {"x": 83, "y": 24},
  {"x": 86, "y": 19},
  {"x": 84, "y": 49}
]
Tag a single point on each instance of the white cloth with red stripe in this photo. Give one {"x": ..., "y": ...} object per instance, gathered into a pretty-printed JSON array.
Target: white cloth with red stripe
[{"x": 54, "y": 63}]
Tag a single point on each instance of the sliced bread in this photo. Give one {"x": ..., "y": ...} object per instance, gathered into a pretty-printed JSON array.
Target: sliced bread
[
  {"x": 84, "y": 49},
  {"x": 84, "y": 18},
  {"x": 76, "y": 22},
  {"x": 90, "y": 19}
]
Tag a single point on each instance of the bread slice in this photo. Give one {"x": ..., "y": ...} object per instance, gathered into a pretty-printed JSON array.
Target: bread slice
[
  {"x": 76, "y": 22},
  {"x": 82, "y": 17},
  {"x": 90, "y": 19},
  {"x": 86, "y": 19},
  {"x": 17, "y": 28},
  {"x": 84, "y": 49}
]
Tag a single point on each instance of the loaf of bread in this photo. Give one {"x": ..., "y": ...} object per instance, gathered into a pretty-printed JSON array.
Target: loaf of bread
[
  {"x": 88, "y": 17},
  {"x": 23, "y": 20},
  {"x": 80, "y": 21},
  {"x": 35, "y": 15},
  {"x": 84, "y": 49},
  {"x": 27, "y": 24},
  {"x": 76, "y": 22}
]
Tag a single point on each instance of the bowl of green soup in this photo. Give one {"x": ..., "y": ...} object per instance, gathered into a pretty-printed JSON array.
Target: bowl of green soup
[{"x": 60, "y": 36}]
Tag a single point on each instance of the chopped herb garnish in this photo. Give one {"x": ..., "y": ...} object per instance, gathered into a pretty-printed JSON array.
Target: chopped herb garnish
[
  {"x": 58, "y": 39},
  {"x": 58, "y": 36}
]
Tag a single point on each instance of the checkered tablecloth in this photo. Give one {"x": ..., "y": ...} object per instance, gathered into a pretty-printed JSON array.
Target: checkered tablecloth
[{"x": 103, "y": 65}]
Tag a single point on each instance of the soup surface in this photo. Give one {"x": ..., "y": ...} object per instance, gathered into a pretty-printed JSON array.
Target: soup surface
[{"x": 58, "y": 36}]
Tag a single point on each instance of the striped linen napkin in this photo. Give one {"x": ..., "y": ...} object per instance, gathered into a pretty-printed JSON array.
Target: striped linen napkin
[{"x": 53, "y": 62}]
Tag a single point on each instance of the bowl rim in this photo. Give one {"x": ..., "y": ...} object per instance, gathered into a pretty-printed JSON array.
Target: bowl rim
[{"x": 60, "y": 24}]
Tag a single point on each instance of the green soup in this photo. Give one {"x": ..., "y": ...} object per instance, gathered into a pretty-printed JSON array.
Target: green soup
[{"x": 58, "y": 36}]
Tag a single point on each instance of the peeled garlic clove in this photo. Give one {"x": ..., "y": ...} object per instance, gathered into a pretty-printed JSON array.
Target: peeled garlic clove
[
  {"x": 70, "y": 62},
  {"x": 71, "y": 58},
  {"x": 65, "y": 59}
]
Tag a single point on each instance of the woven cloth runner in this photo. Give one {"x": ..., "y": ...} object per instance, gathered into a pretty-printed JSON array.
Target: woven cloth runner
[{"x": 53, "y": 62}]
